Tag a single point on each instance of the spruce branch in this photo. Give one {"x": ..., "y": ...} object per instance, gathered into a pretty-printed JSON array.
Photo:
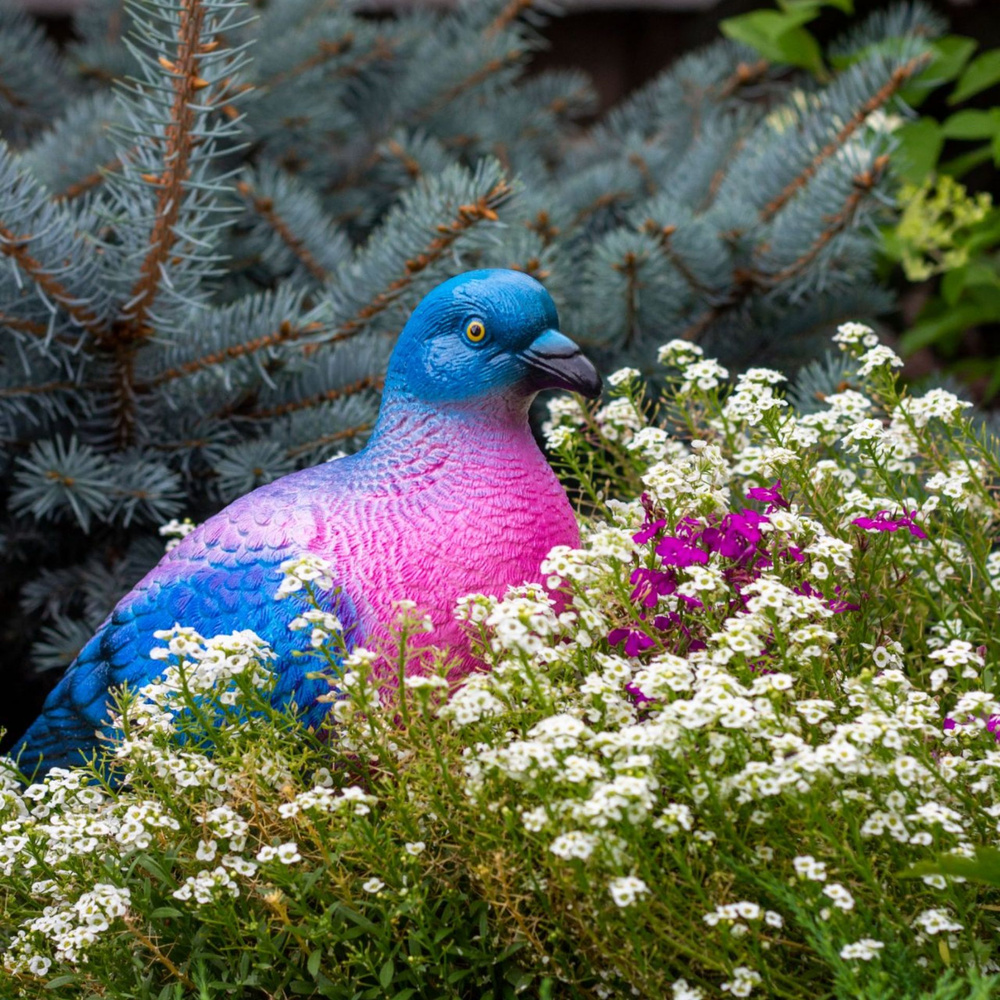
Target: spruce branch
[
  {"x": 744, "y": 75},
  {"x": 863, "y": 182},
  {"x": 264, "y": 206},
  {"x": 15, "y": 247},
  {"x": 897, "y": 80},
  {"x": 662, "y": 235},
  {"x": 179, "y": 140},
  {"x": 512, "y": 57},
  {"x": 309, "y": 402},
  {"x": 508, "y": 15},
  {"x": 88, "y": 183},
  {"x": 466, "y": 217},
  {"x": 285, "y": 333},
  {"x": 346, "y": 434}
]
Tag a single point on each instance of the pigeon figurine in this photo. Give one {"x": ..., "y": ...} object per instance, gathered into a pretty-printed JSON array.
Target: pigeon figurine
[{"x": 450, "y": 496}]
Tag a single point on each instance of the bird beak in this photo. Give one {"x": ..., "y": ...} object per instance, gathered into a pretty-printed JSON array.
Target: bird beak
[{"x": 557, "y": 363}]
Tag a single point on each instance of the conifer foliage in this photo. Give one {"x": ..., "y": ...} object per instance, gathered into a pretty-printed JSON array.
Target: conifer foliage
[{"x": 214, "y": 218}]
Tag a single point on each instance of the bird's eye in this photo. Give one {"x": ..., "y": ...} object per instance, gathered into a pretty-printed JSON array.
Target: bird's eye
[{"x": 475, "y": 332}]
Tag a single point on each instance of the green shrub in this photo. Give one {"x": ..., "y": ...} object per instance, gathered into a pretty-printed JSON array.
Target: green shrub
[{"x": 706, "y": 760}]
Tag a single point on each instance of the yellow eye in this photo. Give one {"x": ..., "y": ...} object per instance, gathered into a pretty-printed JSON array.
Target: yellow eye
[{"x": 475, "y": 331}]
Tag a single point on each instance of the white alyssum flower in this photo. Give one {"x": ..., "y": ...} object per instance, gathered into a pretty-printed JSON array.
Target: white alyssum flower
[
  {"x": 937, "y": 920},
  {"x": 743, "y": 982},
  {"x": 877, "y": 357},
  {"x": 626, "y": 890},
  {"x": 864, "y": 950}
]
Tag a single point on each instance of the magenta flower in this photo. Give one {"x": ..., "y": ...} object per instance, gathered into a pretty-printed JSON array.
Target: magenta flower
[
  {"x": 648, "y": 530},
  {"x": 883, "y": 522},
  {"x": 651, "y": 585},
  {"x": 674, "y": 552},
  {"x": 635, "y": 641},
  {"x": 769, "y": 494}
]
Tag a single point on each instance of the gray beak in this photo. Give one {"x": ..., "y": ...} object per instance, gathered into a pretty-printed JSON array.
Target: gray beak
[{"x": 557, "y": 363}]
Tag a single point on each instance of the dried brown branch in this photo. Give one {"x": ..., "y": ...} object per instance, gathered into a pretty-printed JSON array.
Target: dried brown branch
[
  {"x": 23, "y": 325},
  {"x": 892, "y": 86},
  {"x": 285, "y": 333},
  {"x": 410, "y": 165},
  {"x": 265, "y": 208},
  {"x": 308, "y": 402},
  {"x": 16, "y": 247}
]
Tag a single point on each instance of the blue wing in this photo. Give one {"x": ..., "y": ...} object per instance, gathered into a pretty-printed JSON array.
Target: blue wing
[{"x": 221, "y": 581}]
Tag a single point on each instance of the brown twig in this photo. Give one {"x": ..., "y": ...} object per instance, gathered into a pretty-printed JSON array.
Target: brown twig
[
  {"x": 308, "y": 402},
  {"x": 16, "y": 247},
  {"x": 326, "y": 439},
  {"x": 42, "y": 389},
  {"x": 160, "y": 956},
  {"x": 89, "y": 182},
  {"x": 410, "y": 164},
  {"x": 863, "y": 184},
  {"x": 899, "y": 77},
  {"x": 508, "y": 15},
  {"x": 466, "y": 217},
  {"x": 662, "y": 235},
  {"x": 265, "y": 208},
  {"x": 285, "y": 333},
  {"x": 630, "y": 268},
  {"x": 176, "y": 165},
  {"x": 510, "y": 58},
  {"x": 742, "y": 76}
]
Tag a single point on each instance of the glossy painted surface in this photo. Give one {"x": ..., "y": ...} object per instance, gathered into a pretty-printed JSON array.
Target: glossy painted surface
[{"x": 450, "y": 496}]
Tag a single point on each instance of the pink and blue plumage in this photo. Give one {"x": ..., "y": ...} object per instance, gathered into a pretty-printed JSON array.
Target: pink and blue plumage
[{"x": 450, "y": 496}]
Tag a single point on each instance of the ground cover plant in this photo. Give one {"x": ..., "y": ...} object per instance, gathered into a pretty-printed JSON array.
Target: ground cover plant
[{"x": 708, "y": 760}]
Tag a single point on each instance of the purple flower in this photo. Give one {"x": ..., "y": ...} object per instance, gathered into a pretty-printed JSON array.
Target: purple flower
[
  {"x": 651, "y": 585},
  {"x": 883, "y": 522},
  {"x": 635, "y": 641},
  {"x": 769, "y": 495},
  {"x": 674, "y": 552},
  {"x": 949, "y": 723},
  {"x": 736, "y": 536},
  {"x": 648, "y": 530}
]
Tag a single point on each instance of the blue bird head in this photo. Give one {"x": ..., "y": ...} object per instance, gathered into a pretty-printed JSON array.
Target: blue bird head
[{"x": 485, "y": 334}]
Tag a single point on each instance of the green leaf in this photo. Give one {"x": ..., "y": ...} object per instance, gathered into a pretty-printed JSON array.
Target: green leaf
[
  {"x": 982, "y": 72},
  {"x": 920, "y": 144},
  {"x": 162, "y": 912},
  {"x": 961, "y": 165},
  {"x": 953, "y": 283},
  {"x": 54, "y": 984},
  {"x": 953, "y": 320},
  {"x": 951, "y": 53},
  {"x": 778, "y": 36},
  {"x": 984, "y": 867},
  {"x": 993, "y": 386},
  {"x": 972, "y": 125},
  {"x": 386, "y": 973},
  {"x": 313, "y": 962}
]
